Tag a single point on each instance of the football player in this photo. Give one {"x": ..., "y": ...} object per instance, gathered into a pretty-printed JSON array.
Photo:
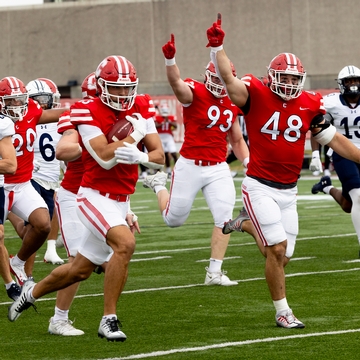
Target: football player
[
  {"x": 278, "y": 115},
  {"x": 109, "y": 178},
  {"x": 46, "y": 171},
  {"x": 8, "y": 165},
  {"x": 165, "y": 125},
  {"x": 21, "y": 198},
  {"x": 342, "y": 110},
  {"x": 210, "y": 118}
]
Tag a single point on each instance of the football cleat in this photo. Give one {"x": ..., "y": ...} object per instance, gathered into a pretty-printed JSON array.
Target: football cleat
[
  {"x": 324, "y": 182},
  {"x": 151, "y": 181},
  {"x": 13, "y": 291},
  {"x": 287, "y": 319},
  {"x": 18, "y": 271},
  {"x": 53, "y": 258},
  {"x": 21, "y": 303},
  {"x": 64, "y": 328},
  {"x": 110, "y": 329},
  {"x": 235, "y": 225},
  {"x": 218, "y": 278}
]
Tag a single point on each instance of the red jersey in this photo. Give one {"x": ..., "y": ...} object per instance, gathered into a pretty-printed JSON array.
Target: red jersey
[
  {"x": 277, "y": 129},
  {"x": 23, "y": 140},
  {"x": 120, "y": 179},
  {"x": 206, "y": 121},
  {"x": 166, "y": 124},
  {"x": 74, "y": 169}
]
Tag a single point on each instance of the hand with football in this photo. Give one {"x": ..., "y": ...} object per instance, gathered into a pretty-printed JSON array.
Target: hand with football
[
  {"x": 130, "y": 154},
  {"x": 215, "y": 33},
  {"x": 169, "y": 49},
  {"x": 139, "y": 124}
]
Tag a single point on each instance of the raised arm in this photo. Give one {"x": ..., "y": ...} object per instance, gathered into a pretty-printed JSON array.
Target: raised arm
[
  {"x": 235, "y": 88},
  {"x": 180, "y": 89}
]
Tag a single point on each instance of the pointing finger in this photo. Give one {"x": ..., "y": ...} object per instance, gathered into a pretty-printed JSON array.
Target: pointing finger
[{"x": 219, "y": 19}]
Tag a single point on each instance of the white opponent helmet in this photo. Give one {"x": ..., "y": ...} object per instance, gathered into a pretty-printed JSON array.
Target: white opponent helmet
[
  {"x": 349, "y": 72},
  {"x": 45, "y": 92}
]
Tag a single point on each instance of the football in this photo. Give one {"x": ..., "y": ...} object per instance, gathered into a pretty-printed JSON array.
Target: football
[{"x": 120, "y": 130}]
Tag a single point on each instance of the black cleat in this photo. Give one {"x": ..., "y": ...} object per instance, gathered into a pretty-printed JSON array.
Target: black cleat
[{"x": 324, "y": 182}]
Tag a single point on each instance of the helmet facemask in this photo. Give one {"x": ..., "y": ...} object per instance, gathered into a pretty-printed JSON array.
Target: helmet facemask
[
  {"x": 281, "y": 66},
  {"x": 15, "y": 106},
  {"x": 118, "y": 102},
  {"x": 286, "y": 91},
  {"x": 214, "y": 84}
]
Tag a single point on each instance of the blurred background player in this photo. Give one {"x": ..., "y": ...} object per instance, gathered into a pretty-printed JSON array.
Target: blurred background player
[
  {"x": 342, "y": 110},
  {"x": 165, "y": 125}
]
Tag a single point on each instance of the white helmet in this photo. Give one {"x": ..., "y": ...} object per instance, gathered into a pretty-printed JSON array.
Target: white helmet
[
  {"x": 349, "y": 72},
  {"x": 45, "y": 92}
]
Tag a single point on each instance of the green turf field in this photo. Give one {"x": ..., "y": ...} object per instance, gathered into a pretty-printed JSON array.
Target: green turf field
[{"x": 168, "y": 313}]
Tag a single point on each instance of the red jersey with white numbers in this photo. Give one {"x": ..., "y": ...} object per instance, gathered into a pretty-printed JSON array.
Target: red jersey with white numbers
[
  {"x": 165, "y": 124},
  {"x": 122, "y": 178},
  {"x": 74, "y": 169},
  {"x": 23, "y": 140},
  {"x": 277, "y": 131},
  {"x": 206, "y": 121}
]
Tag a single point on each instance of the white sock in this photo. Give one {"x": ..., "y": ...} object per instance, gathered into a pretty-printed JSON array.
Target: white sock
[
  {"x": 18, "y": 262},
  {"x": 327, "y": 189},
  {"x": 60, "y": 314},
  {"x": 110, "y": 316},
  {"x": 158, "y": 188},
  {"x": 8, "y": 286},
  {"x": 51, "y": 245},
  {"x": 281, "y": 305},
  {"x": 214, "y": 265},
  {"x": 29, "y": 295}
]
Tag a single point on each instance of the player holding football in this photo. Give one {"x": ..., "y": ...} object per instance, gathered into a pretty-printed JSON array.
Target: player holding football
[
  {"x": 278, "y": 115},
  {"x": 109, "y": 178},
  {"x": 209, "y": 118},
  {"x": 20, "y": 196},
  {"x": 342, "y": 110}
]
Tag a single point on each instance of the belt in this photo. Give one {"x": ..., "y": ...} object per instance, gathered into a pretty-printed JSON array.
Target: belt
[
  {"x": 118, "y": 198},
  {"x": 206, "y": 163}
]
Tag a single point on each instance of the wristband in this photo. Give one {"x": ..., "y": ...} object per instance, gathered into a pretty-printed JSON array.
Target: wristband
[
  {"x": 216, "y": 49},
  {"x": 316, "y": 154},
  {"x": 137, "y": 136},
  {"x": 246, "y": 162},
  {"x": 170, "y": 62}
]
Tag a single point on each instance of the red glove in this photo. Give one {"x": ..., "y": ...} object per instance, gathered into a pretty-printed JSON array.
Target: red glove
[
  {"x": 215, "y": 34},
  {"x": 169, "y": 49}
]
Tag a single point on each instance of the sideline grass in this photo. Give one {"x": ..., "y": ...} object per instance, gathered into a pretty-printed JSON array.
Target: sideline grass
[{"x": 165, "y": 307}]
